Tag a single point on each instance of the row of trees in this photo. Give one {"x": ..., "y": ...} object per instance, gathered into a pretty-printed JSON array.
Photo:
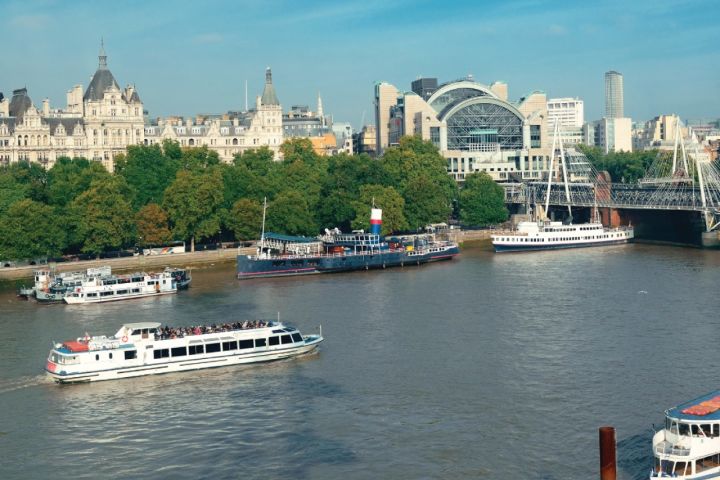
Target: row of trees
[
  {"x": 158, "y": 193},
  {"x": 623, "y": 167}
]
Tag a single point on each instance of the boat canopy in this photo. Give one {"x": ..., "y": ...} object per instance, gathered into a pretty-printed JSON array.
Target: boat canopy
[
  {"x": 702, "y": 408},
  {"x": 289, "y": 238}
]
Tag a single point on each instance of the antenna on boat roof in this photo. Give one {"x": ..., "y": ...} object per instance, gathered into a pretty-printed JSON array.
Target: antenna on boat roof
[
  {"x": 262, "y": 234},
  {"x": 278, "y": 317}
]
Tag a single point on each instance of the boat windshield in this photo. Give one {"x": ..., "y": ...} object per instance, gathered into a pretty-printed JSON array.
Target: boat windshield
[{"x": 63, "y": 359}]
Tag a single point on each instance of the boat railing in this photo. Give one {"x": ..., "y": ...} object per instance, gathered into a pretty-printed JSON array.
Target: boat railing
[{"x": 665, "y": 448}]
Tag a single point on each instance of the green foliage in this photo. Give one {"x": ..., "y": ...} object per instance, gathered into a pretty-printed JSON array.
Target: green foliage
[
  {"x": 68, "y": 178},
  {"x": 623, "y": 167},
  {"x": 482, "y": 201},
  {"x": 289, "y": 213},
  {"x": 386, "y": 198},
  {"x": 29, "y": 230},
  {"x": 193, "y": 204},
  {"x": 147, "y": 171},
  {"x": 33, "y": 176},
  {"x": 152, "y": 225},
  {"x": 10, "y": 190},
  {"x": 198, "y": 158},
  {"x": 103, "y": 216},
  {"x": 245, "y": 219}
]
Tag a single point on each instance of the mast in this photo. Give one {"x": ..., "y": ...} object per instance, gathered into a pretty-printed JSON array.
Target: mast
[
  {"x": 565, "y": 177},
  {"x": 550, "y": 171},
  {"x": 262, "y": 235}
]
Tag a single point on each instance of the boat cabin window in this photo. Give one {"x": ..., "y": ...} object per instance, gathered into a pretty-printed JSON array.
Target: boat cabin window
[
  {"x": 274, "y": 341},
  {"x": 680, "y": 468},
  {"x": 229, "y": 346},
  {"x": 246, "y": 344},
  {"x": 212, "y": 347},
  {"x": 286, "y": 339},
  {"x": 684, "y": 429},
  {"x": 161, "y": 353},
  {"x": 130, "y": 354},
  {"x": 195, "y": 349},
  {"x": 707, "y": 463},
  {"x": 179, "y": 351},
  {"x": 64, "y": 359},
  {"x": 297, "y": 337},
  {"x": 259, "y": 342}
]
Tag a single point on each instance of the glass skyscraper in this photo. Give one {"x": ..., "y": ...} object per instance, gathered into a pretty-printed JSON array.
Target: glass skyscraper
[{"x": 614, "y": 95}]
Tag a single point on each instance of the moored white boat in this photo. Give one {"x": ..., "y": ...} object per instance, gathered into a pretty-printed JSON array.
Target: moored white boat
[
  {"x": 688, "y": 446},
  {"x": 145, "y": 349},
  {"x": 121, "y": 287},
  {"x": 546, "y": 235}
]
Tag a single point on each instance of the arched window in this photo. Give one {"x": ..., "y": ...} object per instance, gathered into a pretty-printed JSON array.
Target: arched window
[
  {"x": 235, "y": 141},
  {"x": 191, "y": 142}
]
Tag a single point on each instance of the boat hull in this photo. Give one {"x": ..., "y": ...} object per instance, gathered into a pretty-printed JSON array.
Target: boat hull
[
  {"x": 504, "y": 248},
  {"x": 253, "y": 267},
  {"x": 186, "y": 364}
]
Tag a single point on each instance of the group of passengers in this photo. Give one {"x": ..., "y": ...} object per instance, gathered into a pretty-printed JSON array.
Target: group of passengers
[{"x": 167, "y": 332}]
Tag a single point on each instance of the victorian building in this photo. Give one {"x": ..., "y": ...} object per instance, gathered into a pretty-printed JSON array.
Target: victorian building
[
  {"x": 227, "y": 134},
  {"x": 97, "y": 124}
]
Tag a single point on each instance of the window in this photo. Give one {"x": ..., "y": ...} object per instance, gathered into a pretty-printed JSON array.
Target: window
[
  {"x": 297, "y": 337},
  {"x": 179, "y": 351},
  {"x": 259, "y": 342},
  {"x": 212, "y": 347},
  {"x": 246, "y": 344},
  {"x": 274, "y": 341},
  {"x": 106, "y": 294},
  {"x": 535, "y": 136},
  {"x": 161, "y": 353},
  {"x": 286, "y": 339},
  {"x": 195, "y": 349},
  {"x": 130, "y": 354},
  {"x": 229, "y": 346}
]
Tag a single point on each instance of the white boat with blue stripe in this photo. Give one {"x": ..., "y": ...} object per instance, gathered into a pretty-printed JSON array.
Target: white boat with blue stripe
[
  {"x": 689, "y": 445},
  {"x": 148, "y": 348}
]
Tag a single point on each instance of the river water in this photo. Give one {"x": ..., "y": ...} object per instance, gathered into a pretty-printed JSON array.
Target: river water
[{"x": 488, "y": 366}]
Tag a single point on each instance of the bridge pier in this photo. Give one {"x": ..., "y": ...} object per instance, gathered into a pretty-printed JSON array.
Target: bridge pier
[{"x": 710, "y": 239}]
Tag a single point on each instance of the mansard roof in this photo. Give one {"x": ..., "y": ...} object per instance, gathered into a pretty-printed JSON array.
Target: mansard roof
[
  {"x": 68, "y": 124},
  {"x": 19, "y": 103},
  {"x": 101, "y": 81},
  {"x": 269, "y": 97}
]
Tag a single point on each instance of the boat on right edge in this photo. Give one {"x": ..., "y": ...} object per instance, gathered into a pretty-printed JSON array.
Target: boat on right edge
[
  {"x": 688, "y": 446},
  {"x": 544, "y": 234}
]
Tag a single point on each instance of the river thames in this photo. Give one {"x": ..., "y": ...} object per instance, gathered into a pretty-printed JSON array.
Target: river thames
[{"x": 487, "y": 366}]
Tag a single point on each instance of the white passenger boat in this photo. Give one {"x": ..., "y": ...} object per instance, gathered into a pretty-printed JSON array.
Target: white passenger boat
[
  {"x": 121, "y": 287},
  {"x": 146, "y": 349},
  {"x": 51, "y": 287},
  {"x": 546, "y": 235},
  {"x": 689, "y": 445}
]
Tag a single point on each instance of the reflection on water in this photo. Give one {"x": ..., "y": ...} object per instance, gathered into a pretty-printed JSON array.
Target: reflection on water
[{"x": 491, "y": 366}]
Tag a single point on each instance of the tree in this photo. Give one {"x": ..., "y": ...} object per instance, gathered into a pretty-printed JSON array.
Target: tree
[
  {"x": 30, "y": 229},
  {"x": 147, "y": 171},
  {"x": 68, "y": 178},
  {"x": 10, "y": 190},
  {"x": 289, "y": 213},
  {"x": 385, "y": 198},
  {"x": 199, "y": 158},
  {"x": 152, "y": 225},
  {"x": 245, "y": 219},
  {"x": 102, "y": 216},
  {"x": 193, "y": 203},
  {"x": 482, "y": 201},
  {"x": 427, "y": 200}
]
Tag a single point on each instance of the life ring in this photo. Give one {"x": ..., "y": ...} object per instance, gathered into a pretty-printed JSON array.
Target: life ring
[{"x": 124, "y": 339}]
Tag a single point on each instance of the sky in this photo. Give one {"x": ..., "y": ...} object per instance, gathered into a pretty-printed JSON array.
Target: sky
[{"x": 189, "y": 57}]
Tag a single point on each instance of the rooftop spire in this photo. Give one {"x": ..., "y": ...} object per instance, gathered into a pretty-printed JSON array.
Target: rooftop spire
[
  {"x": 269, "y": 97},
  {"x": 102, "y": 58}
]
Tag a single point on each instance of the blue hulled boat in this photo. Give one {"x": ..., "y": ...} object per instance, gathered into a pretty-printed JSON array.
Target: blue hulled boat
[{"x": 282, "y": 255}]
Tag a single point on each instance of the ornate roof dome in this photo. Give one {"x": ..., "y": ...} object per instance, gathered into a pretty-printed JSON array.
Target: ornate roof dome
[{"x": 102, "y": 80}]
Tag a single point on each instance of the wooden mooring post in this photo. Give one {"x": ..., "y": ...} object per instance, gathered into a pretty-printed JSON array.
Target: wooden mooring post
[{"x": 608, "y": 467}]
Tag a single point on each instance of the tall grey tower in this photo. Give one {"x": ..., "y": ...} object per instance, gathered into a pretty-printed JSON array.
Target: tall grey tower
[{"x": 614, "y": 95}]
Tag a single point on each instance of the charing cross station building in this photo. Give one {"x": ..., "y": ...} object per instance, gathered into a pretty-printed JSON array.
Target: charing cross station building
[{"x": 473, "y": 125}]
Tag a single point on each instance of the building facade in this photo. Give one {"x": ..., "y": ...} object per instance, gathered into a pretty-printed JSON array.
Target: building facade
[
  {"x": 473, "y": 125},
  {"x": 98, "y": 124},
  {"x": 228, "y": 134},
  {"x": 614, "y": 102},
  {"x": 569, "y": 114}
]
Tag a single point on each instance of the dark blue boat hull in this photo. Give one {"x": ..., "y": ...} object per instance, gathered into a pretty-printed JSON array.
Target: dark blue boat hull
[{"x": 251, "y": 267}]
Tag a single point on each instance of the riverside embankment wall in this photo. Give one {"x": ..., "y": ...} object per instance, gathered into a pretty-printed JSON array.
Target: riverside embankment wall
[{"x": 139, "y": 262}]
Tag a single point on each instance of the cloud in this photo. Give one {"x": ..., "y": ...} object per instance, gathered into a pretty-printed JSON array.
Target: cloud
[
  {"x": 206, "y": 38},
  {"x": 32, "y": 22}
]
